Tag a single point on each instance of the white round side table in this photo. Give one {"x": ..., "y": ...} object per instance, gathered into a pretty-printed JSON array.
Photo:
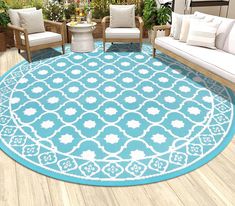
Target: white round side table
[{"x": 82, "y": 38}]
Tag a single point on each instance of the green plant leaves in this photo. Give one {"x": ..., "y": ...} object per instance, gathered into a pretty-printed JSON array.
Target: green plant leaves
[{"x": 152, "y": 15}]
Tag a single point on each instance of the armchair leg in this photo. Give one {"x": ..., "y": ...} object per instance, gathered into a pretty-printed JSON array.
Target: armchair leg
[
  {"x": 154, "y": 52},
  {"x": 29, "y": 55},
  {"x": 18, "y": 51},
  {"x": 104, "y": 46},
  {"x": 63, "y": 49}
]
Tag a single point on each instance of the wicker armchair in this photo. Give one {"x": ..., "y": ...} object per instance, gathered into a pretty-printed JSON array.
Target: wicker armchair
[
  {"x": 52, "y": 37},
  {"x": 122, "y": 34}
]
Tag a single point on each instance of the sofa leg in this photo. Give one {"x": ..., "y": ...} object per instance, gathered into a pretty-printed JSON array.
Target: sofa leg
[
  {"x": 18, "y": 51},
  {"x": 154, "y": 52},
  {"x": 63, "y": 49}
]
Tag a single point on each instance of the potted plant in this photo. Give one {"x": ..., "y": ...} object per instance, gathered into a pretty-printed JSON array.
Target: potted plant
[
  {"x": 4, "y": 20},
  {"x": 154, "y": 14},
  {"x": 70, "y": 10},
  {"x": 54, "y": 11}
]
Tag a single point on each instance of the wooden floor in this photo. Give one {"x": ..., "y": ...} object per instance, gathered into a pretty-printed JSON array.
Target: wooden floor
[{"x": 212, "y": 184}]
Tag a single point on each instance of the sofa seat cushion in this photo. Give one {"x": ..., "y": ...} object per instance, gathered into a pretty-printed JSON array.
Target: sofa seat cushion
[
  {"x": 42, "y": 38},
  {"x": 122, "y": 33},
  {"x": 216, "y": 61}
]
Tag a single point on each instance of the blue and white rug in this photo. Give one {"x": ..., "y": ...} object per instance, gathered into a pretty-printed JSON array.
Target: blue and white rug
[{"x": 112, "y": 119}]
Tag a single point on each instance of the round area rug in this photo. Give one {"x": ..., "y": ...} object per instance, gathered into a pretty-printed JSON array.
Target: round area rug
[{"x": 112, "y": 119}]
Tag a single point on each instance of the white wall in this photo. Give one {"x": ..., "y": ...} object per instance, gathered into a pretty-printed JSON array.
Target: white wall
[{"x": 180, "y": 5}]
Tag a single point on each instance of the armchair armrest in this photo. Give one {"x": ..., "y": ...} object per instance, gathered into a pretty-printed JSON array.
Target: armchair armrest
[
  {"x": 57, "y": 26},
  {"x": 53, "y": 23},
  {"x": 17, "y": 32},
  {"x": 165, "y": 28},
  {"x": 141, "y": 25},
  {"x": 141, "y": 22},
  {"x": 16, "y": 28},
  {"x": 105, "y": 20}
]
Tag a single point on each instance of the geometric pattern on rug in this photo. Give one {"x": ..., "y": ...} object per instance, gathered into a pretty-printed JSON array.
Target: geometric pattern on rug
[{"x": 113, "y": 119}]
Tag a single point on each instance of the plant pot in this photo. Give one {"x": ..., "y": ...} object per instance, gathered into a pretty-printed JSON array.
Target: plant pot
[
  {"x": 3, "y": 46},
  {"x": 150, "y": 35}
]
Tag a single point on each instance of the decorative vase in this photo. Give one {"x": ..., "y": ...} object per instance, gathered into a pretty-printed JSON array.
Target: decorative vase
[{"x": 89, "y": 17}]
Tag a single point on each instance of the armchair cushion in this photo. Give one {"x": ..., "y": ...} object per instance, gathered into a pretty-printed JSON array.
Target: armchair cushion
[
  {"x": 13, "y": 13},
  {"x": 32, "y": 21},
  {"x": 122, "y": 33},
  {"x": 42, "y": 38},
  {"x": 122, "y": 16}
]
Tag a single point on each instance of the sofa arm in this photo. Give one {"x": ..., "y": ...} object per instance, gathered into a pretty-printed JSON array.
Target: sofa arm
[{"x": 166, "y": 28}]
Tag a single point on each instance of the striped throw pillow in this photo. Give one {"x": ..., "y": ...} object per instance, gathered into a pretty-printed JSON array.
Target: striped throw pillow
[{"x": 202, "y": 33}]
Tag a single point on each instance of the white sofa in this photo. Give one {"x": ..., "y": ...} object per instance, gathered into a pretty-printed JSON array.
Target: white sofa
[{"x": 219, "y": 63}]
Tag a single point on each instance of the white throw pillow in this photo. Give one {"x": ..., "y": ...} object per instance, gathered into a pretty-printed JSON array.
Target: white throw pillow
[
  {"x": 177, "y": 24},
  {"x": 32, "y": 21},
  {"x": 13, "y": 14},
  {"x": 202, "y": 33},
  {"x": 185, "y": 27},
  {"x": 206, "y": 17},
  {"x": 122, "y": 16},
  {"x": 229, "y": 45},
  {"x": 223, "y": 30}
]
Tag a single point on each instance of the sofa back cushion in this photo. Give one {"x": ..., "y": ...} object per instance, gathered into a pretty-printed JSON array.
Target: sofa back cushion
[
  {"x": 223, "y": 29},
  {"x": 13, "y": 13},
  {"x": 229, "y": 45},
  {"x": 122, "y": 16}
]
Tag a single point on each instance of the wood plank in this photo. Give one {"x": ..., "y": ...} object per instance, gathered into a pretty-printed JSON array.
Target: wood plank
[
  {"x": 94, "y": 196},
  {"x": 190, "y": 192},
  {"x": 219, "y": 187},
  {"x": 75, "y": 194},
  {"x": 8, "y": 184},
  {"x": 58, "y": 192},
  {"x": 162, "y": 194},
  {"x": 136, "y": 195},
  {"x": 32, "y": 188},
  {"x": 225, "y": 170}
]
